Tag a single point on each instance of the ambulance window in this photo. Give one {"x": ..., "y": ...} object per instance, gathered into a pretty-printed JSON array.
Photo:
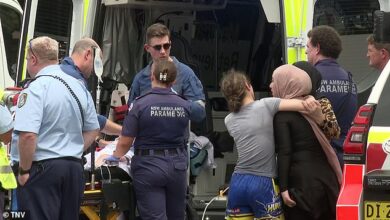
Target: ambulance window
[
  {"x": 11, "y": 24},
  {"x": 381, "y": 116},
  {"x": 55, "y": 23},
  {"x": 346, "y": 16}
]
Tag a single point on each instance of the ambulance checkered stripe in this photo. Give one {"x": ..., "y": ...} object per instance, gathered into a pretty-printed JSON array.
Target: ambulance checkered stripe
[{"x": 378, "y": 148}]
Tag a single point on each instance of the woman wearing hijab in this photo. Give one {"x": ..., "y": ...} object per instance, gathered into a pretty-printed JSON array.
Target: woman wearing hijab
[
  {"x": 308, "y": 169},
  {"x": 329, "y": 125}
]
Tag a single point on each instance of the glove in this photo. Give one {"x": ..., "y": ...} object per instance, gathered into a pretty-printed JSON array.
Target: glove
[{"x": 112, "y": 159}]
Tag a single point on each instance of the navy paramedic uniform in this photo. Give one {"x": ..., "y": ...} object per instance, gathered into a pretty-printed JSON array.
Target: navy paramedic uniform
[
  {"x": 338, "y": 87},
  {"x": 159, "y": 122},
  {"x": 47, "y": 108}
]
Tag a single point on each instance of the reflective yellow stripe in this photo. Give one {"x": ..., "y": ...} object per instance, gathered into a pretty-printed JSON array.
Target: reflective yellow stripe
[
  {"x": 1, "y": 97},
  {"x": 24, "y": 70},
  {"x": 378, "y": 134},
  {"x": 295, "y": 12},
  {"x": 86, "y": 7},
  {"x": 5, "y": 169},
  {"x": 7, "y": 177}
]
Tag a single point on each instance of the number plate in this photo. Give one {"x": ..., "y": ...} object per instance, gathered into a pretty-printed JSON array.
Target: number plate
[{"x": 377, "y": 210}]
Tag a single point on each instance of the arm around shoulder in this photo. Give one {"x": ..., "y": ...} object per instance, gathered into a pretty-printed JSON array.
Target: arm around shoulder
[{"x": 291, "y": 105}]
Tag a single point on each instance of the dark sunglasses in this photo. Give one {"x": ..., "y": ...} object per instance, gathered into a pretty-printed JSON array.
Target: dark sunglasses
[
  {"x": 30, "y": 46},
  {"x": 159, "y": 46}
]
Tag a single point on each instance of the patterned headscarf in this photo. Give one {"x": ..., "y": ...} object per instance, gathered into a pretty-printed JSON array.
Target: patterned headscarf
[{"x": 291, "y": 82}]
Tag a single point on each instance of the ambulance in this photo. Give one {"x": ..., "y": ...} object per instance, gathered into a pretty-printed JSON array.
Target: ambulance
[
  {"x": 211, "y": 36},
  {"x": 10, "y": 26}
]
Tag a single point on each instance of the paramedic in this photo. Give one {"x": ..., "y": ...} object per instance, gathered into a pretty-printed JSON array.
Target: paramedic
[
  {"x": 158, "y": 45},
  {"x": 158, "y": 122},
  {"x": 323, "y": 48},
  {"x": 80, "y": 65}
]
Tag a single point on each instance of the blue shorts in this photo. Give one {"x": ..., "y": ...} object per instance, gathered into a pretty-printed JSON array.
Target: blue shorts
[{"x": 251, "y": 195}]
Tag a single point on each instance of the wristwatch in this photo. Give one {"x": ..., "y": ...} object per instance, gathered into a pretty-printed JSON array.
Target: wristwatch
[{"x": 22, "y": 172}]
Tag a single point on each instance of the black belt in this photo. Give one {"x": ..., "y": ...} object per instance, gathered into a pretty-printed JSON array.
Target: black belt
[
  {"x": 79, "y": 160},
  {"x": 159, "y": 152}
]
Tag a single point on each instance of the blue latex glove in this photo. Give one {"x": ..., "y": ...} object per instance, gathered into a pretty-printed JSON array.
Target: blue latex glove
[{"x": 112, "y": 159}]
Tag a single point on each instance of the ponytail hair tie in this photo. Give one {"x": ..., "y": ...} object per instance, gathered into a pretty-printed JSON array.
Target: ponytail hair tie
[{"x": 163, "y": 76}]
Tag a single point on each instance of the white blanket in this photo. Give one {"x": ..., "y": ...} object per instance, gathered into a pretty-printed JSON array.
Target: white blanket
[{"x": 100, "y": 156}]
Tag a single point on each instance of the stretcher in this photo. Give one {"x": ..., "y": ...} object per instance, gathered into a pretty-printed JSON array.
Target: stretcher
[{"x": 108, "y": 193}]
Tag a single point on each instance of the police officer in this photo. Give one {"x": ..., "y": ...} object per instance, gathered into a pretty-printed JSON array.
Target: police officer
[
  {"x": 158, "y": 45},
  {"x": 55, "y": 121},
  {"x": 158, "y": 123}
]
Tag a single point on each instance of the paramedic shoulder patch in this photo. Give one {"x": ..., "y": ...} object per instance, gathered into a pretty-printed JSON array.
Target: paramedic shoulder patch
[{"x": 22, "y": 100}]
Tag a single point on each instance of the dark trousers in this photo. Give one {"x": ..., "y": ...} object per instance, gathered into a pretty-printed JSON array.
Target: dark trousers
[
  {"x": 53, "y": 190},
  {"x": 160, "y": 185}
]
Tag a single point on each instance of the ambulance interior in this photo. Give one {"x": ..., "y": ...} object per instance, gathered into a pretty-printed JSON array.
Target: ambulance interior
[{"x": 211, "y": 36}]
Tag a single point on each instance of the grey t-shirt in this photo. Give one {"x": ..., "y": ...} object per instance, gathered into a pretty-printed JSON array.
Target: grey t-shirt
[{"x": 253, "y": 133}]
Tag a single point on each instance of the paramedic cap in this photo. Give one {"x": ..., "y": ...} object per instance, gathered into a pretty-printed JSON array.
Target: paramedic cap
[{"x": 381, "y": 31}]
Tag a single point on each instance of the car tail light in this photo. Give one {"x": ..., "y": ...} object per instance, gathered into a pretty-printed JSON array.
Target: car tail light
[{"x": 354, "y": 144}]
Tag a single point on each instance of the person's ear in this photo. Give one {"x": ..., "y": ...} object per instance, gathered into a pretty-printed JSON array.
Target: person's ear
[
  {"x": 317, "y": 48},
  {"x": 147, "y": 47},
  {"x": 152, "y": 78},
  {"x": 34, "y": 59},
  {"x": 87, "y": 54},
  {"x": 384, "y": 52},
  {"x": 248, "y": 86}
]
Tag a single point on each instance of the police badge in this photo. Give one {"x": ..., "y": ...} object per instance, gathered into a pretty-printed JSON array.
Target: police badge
[{"x": 22, "y": 100}]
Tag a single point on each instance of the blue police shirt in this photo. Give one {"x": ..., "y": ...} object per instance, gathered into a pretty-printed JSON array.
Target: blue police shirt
[
  {"x": 158, "y": 119},
  {"x": 67, "y": 65},
  {"x": 338, "y": 87},
  {"x": 48, "y": 109},
  {"x": 186, "y": 85},
  {"x": 6, "y": 122}
]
